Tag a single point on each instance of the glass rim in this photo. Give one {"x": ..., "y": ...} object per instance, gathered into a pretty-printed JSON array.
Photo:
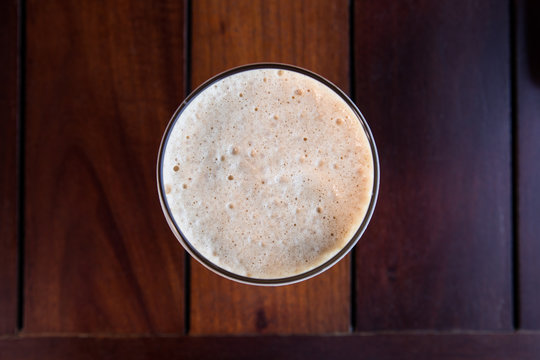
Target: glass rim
[{"x": 271, "y": 281}]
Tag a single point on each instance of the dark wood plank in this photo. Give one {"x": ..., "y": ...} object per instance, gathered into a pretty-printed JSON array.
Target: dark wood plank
[
  {"x": 8, "y": 165},
  {"x": 528, "y": 150},
  {"x": 103, "y": 80},
  {"x": 432, "y": 78},
  {"x": 397, "y": 346},
  {"x": 312, "y": 34}
]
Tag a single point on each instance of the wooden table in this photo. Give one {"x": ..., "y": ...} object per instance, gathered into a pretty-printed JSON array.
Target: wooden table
[{"x": 448, "y": 268}]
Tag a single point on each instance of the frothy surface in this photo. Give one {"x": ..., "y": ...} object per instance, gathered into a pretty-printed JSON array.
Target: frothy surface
[{"x": 268, "y": 173}]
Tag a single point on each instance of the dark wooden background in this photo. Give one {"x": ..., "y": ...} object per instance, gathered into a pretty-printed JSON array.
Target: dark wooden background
[{"x": 447, "y": 269}]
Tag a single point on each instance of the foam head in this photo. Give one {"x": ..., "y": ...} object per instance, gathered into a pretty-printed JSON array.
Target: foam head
[{"x": 267, "y": 172}]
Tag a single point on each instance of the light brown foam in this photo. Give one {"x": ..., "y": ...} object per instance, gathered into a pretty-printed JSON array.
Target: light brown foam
[{"x": 269, "y": 173}]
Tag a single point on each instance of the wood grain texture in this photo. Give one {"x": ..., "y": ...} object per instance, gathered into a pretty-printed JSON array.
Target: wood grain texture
[
  {"x": 311, "y": 34},
  {"x": 380, "y": 347},
  {"x": 528, "y": 151},
  {"x": 8, "y": 165},
  {"x": 103, "y": 79},
  {"x": 432, "y": 78}
]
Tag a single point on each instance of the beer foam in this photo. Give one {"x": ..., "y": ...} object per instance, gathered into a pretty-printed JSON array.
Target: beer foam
[{"x": 268, "y": 173}]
